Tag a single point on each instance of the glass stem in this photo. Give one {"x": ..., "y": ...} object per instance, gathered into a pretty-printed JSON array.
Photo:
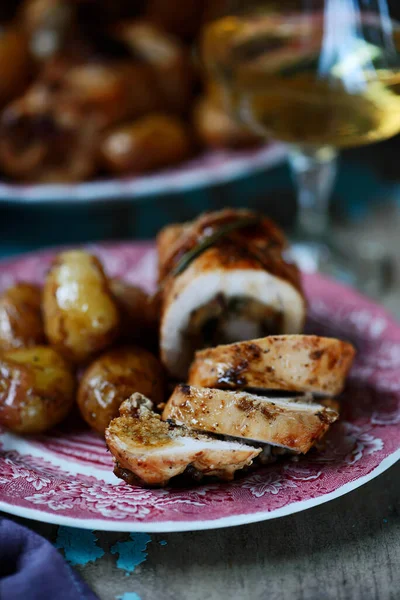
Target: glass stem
[{"x": 313, "y": 171}]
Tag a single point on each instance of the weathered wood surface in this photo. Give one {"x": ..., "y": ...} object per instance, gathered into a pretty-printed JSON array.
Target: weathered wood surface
[{"x": 347, "y": 549}]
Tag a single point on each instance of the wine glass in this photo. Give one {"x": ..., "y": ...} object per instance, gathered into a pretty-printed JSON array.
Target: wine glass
[{"x": 319, "y": 75}]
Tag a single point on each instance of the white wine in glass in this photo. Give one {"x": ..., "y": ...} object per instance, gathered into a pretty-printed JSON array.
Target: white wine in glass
[{"x": 321, "y": 77}]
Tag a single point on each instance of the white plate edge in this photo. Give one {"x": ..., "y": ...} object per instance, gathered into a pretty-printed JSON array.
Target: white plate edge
[
  {"x": 142, "y": 187},
  {"x": 179, "y": 527}
]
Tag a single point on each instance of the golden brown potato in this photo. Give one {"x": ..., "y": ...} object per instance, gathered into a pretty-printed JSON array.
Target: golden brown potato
[
  {"x": 21, "y": 324},
  {"x": 52, "y": 132},
  {"x": 45, "y": 140},
  {"x": 36, "y": 389},
  {"x": 167, "y": 57},
  {"x": 47, "y": 23},
  {"x": 80, "y": 314},
  {"x": 14, "y": 63},
  {"x": 153, "y": 142},
  {"x": 215, "y": 128},
  {"x": 138, "y": 311},
  {"x": 112, "y": 378},
  {"x": 113, "y": 91}
]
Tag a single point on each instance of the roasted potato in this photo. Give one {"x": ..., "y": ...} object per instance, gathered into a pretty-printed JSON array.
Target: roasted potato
[
  {"x": 81, "y": 317},
  {"x": 14, "y": 63},
  {"x": 113, "y": 91},
  {"x": 21, "y": 324},
  {"x": 45, "y": 140},
  {"x": 155, "y": 141},
  {"x": 166, "y": 56},
  {"x": 112, "y": 378},
  {"x": 46, "y": 22},
  {"x": 215, "y": 128},
  {"x": 138, "y": 311},
  {"x": 36, "y": 389},
  {"x": 53, "y": 131}
]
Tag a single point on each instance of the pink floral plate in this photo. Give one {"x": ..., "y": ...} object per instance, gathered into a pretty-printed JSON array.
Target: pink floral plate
[{"x": 65, "y": 477}]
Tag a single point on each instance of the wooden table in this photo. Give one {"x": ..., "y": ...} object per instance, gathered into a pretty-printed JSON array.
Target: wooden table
[{"x": 346, "y": 549}]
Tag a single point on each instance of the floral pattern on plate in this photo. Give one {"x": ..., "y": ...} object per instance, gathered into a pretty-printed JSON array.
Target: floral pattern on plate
[{"x": 66, "y": 476}]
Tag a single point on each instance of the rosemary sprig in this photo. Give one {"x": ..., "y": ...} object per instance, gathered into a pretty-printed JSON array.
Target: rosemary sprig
[{"x": 210, "y": 240}]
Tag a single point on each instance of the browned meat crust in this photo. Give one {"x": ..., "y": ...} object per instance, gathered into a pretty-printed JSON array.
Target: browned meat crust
[
  {"x": 149, "y": 452},
  {"x": 288, "y": 362},
  {"x": 292, "y": 424},
  {"x": 257, "y": 241}
]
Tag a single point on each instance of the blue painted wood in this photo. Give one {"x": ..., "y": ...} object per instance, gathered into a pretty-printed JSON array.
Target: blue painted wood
[
  {"x": 132, "y": 552},
  {"x": 79, "y": 546}
]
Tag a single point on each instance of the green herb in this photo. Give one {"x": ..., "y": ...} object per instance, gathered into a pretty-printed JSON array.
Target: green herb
[{"x": 210, "y": 240}]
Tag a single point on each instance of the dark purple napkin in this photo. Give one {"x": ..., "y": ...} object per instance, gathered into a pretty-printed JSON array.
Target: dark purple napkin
[{"x": 32, "y": 569}]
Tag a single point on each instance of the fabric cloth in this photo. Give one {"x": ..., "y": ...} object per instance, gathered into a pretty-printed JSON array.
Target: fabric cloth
[{"x": 32, "y": 569}]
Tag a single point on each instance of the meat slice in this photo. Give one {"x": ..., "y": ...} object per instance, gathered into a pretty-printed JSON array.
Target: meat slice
[
  {"x": 292, "y": 423},
  {"x": 175, "y": 240},
  {"x": 302, "y": 363},
  {"x": 149, "y": 452},
  {"x": 219, "y": 286}
]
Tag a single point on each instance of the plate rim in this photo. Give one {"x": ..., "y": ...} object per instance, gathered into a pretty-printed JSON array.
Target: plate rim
[
  {"x": 187, "y": 526},
  {"x": 127, "y": 525},
  {"x": 175, "y": 180}
]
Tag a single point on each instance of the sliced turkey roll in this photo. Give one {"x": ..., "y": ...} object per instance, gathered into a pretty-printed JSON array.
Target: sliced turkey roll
[
  {"x": 223, "y": 278},
  {"x": 301, "y": 363},
  {"x": 149, "y": 452},
  {"x": 292, "y": 423}
]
